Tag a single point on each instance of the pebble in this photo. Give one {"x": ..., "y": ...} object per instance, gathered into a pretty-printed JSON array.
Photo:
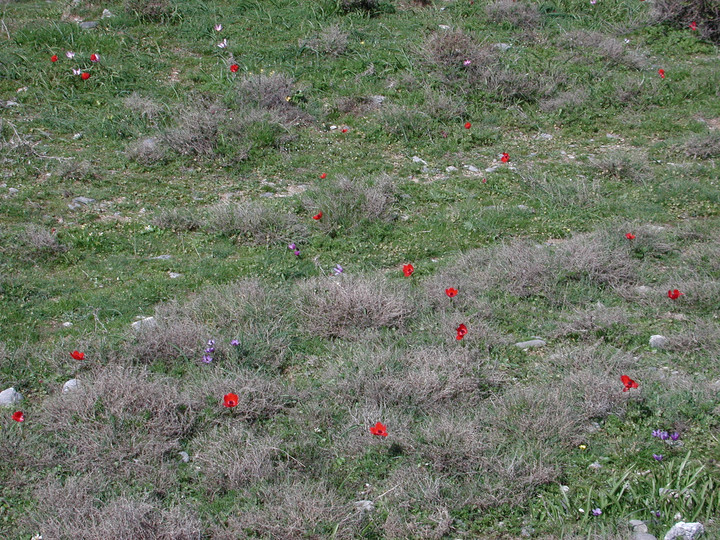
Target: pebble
[
  {"x": 684, "y": 530},
  {"x": 174, "y": 275},
  {"x": 643, "y": 536},
  {"x": 503, "y": 46},
  {"x": 8, "y": 104},
  {"x": 658, "y": 341},
  {"x": 491, "y": 169},
  {"x": 544, "y": 137},
  {"x": 417, "y": 159},
  {"x": 9, "y": 396},
  {"x": 106, "y": 14},
  {"x": 451, "y": 169},
  {"x": 364, "y": 506},
  {"x": 643, "y": 289},
  {"x": 443, "y": 27},
  {"x": 145, "y": 322},
  {"x": 78, "y": 136},
  {"x": 13, "y": 191},
  {"x": 88, "y": 25},
  {"x": 472, "y": 168},
  {"x": 83, "y": 200},
  {"x": 184, "y": 456},
  {"x": 67, "y": 324},
  {"x": 161, "y": 258},
  {"x": 533, "y": 343},
  {"x": 70, "y": 386}
]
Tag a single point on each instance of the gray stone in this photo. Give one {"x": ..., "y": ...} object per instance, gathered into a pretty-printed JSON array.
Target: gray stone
[
  {"x": 643, "y": 289},
  {"x": 377, "y": 100},
  {"x": 161, "y": 258},
  {"x": 67, "y": 324},
  {"x": 88, "y": 25},
  {"x": 83, "y": 200},
  {"x": 642, "y": 528},
  {"x": 364, "y": 507},
  {"x": 418, "y": 159},
  {"x": 685, "y": 530},
  {"x": 443, "y": 27},
  {"x": 451, "y": 169},
  {"x": 13, "y": 191},
  {"x": 174, "y": 275},
  {"x": 70, "y": 386},
  {"x": 145, "y": 322},
  {"x": 636, "y": 522},
  {"x": 472, "y": 168},
  {"x": 643, "y": 536},
  {"x": 533, "y": 343},
  {"x": 106, "y": 14},
  {"x": 657, "y": 341},
  {"x": 544, "y": 137},
  {"x": 8, "y": 104},
  {"x": 503, "y": 46},
  {"x": 78, "y": 136},
  {"x": 184, "y": 456},
  {"x": 491, "y": 169},
  {"x": 9, "y": 396}
]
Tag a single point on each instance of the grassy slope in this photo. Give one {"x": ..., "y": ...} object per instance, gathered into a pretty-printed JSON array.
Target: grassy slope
[{"x": 579, "y": 181}]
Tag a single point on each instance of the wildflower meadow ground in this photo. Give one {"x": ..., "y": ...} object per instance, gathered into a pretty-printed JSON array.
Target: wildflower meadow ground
[{"x": 359, "y": 268}]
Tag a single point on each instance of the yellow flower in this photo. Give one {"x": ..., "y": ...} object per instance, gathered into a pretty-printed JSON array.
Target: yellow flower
[
  {"x": 287, "y": 98},
  {"x": 582, "y": 447}
]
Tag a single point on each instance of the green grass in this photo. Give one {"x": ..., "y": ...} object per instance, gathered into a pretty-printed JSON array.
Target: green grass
[{"x": 617, "y": 161}]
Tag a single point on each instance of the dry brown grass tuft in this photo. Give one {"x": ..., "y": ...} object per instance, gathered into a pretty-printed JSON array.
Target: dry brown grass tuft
[
  {"x": 271, "y": 93},
  {"x": 233, "y": 457},
  {"x": 149, "y": 10},
  {"x": 701, "y": 335},
  {"x": 351, "y": 203},
  {"x": 76, "y": 510},
  {"x": 444, "y": 106},
  {"x": 121, "y": 422},
  {"x": 177, "y": 219},
  {"x": 606, "y": 47},
  {"x": 520, "y": 14},
  {"x": 332, "y": 41},
  {"x": 680, "y": 13},
  {"x": 197, "y": 129},
  {"x": 259, "y": 397},
  {"x": 565, "y": 100},
  {"x": 340, "y": 306},
  {"x": 255, "y": 223},
  {"x": 702, "y": 146},
  {"x": 175, "y": 334},
  {"x": 145, "y": 107},
  {"x": 37, "y": 241},
  {"x": 77, "y": 170},
  {"x": 448, "y": 51},
  {"x": 146, "y": 151},
  {"x": 597, "y": 258},
  {"x": 288, "y": 510},
  {"x": 623, "y": 165}
]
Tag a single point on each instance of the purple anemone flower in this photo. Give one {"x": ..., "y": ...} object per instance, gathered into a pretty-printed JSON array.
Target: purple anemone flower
[
  {"x": 207, "y": 359},
  {"x": 596, "y": 511},
  {"x": 675, "y": 436},
  {"x": 235, "y": 343},
  {"x": 658, "y": 457}
]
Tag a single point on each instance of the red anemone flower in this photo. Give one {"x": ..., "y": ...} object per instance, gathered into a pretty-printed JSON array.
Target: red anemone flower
[
  {"x": 505, "y": 157},
  {"x": 234, "y": 68},
  {"x": 77, "y": 355},
  {"x": 317, "y": 216},
  {"x": 323, "y": 176},
  {"x": 344, "y": 130},
  {"x": 674, "y": 294},
  {"x": 85, "y": 76},
  {"x": 630, "y": 236},
  {"x": 94, "y": 57},
  {"x": 379, "y": 429},
  {"x": 451, "y": 292},
  {"x": 53, "y": 58},
  {"x": 661, "y": 72},
  {"x": 468, "y": 125},
  {"x": 230, "y": 400},
  {"x": 628, "y": 382},
  {"x": 461, "y": 332},
  {"x": 18, "y": 416},
  {"x": 693, "y": 26},
  {"x": 408, "y": 269}
]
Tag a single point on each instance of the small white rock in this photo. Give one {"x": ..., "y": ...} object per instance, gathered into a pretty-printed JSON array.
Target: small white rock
[
  {"x": 13, "y": 191},
  {"x": 184, "y": 456},
  {"x": 533, "y": 343},
  {"x": 684, "y": 530},
  {"x": 78, "y": 136},
  {"x": 443, "y": 27},
  {"x": 106, "y": 14},
  {"x": 174, "y": 275},
  {"x": 9, "y": 396},
  {"x": 503, "y": 46},
  {"x": 70, "y": 386},
  {"x": 657, "y": 341},
  {"x": 418, "y": 159},
  {"x": 67, "y": 324},
  {"x": 145, "y": 322},
  {"x": 472, "y": 168},
  {"x": 451, "y": 169},
  {"x": 364, "y": 506},
  {"x": 491, "y": 169}
]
